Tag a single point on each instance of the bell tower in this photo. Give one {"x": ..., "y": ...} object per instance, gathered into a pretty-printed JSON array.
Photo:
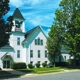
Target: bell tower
[{"x": 18, "y": 20}]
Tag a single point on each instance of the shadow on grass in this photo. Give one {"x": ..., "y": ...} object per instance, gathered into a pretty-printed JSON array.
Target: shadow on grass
[
  {"x": 9, "y": 75},
  {"x": 26, "y": 70}
]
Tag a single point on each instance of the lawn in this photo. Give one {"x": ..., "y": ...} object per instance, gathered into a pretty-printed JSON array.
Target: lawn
[{"x": 42, "y": 70}]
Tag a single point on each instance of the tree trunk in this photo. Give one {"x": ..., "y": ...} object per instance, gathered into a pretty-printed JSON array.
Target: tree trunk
[
  {"x": 74, "y": 60},
  {"x": 54, "y": 62}
]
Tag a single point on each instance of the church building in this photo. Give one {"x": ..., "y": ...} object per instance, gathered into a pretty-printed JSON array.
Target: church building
[{"x": 28, "y": 47}]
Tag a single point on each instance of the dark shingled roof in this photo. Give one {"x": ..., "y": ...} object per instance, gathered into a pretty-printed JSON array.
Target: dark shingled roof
[
  {"x": 30, "y": 32},
  {"x": 17, "y": 14}
]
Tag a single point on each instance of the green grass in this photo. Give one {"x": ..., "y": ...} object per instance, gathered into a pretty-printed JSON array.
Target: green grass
[
  {"x": 42, "y": 70},
  {"x": 47, "y": 70}
]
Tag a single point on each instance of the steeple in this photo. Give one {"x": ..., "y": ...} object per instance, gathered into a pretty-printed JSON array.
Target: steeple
[
  {"x": 18, "y": 21},
  {"x": 17, "y": 14}
]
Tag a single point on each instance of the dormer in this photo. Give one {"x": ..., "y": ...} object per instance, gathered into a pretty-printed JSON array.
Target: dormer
[{"x": 18, "y": 20}]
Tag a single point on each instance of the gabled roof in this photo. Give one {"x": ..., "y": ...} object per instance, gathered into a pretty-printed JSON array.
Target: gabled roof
[
  {"x": 64, "y": 50},
  {"x": 30, "y": 32},
  {"x": 17, "y": 14},
  {"x": 6, "y": 55}
]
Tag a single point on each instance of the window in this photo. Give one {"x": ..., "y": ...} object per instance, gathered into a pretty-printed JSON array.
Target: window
[
  {"x": 35, "y": 41},
  {"x": 31, "y": 53},
  {"x": 38, "y": 53},
  {"x": 18, "y": 53},
  {"x": 38, "y": 41},
  {"x": 18, "y": 41},
  {"x": 41, "y": 42},
  {"x": 45, "y": 53}
]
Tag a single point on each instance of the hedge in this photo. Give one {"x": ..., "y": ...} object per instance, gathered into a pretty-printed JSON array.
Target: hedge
[
  {"x": 61, "y": 64},
  {"x": 30, "y": 65},
  {"x": 18, "y": 65},
  {"x": 44, "y": 64},
  {"x": 37, "y": 65}
]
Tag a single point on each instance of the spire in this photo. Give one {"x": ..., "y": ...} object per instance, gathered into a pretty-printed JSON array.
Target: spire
[{"x": 17, "y": 14}]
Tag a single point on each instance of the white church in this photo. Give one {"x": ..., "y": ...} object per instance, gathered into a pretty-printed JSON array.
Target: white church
[{"x": 28, "y": 47}]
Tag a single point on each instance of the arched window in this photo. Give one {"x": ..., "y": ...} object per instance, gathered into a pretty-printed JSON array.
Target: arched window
[{"x": 38, "y": 41}]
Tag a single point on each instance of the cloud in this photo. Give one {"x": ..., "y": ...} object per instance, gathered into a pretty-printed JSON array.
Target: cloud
[
  {"x": 36, "y": 20},
  {"x": 35, "y": 2},
  {"x": 19, "y": 3},
  {"x": 29, "y": 3}
]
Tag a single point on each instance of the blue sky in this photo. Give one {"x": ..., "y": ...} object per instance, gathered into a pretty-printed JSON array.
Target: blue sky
[{"x": 36, "y": 12}]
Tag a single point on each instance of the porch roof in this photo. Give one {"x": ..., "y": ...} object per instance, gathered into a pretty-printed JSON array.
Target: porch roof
[{"x": 6, "y": 55}]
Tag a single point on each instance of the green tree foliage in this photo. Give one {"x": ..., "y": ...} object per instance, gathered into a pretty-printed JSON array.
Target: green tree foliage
[
  {"x": 67, "y": 20},
  {"x": 5, "y": 26},
  {"x": 71, "y": 22},
  {"x": 54, "y": 42}
]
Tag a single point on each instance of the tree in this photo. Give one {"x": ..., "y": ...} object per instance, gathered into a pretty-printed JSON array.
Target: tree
[
  {"x": 5, "y": 25},
  {"x": 54, "y": 43},
  {"x": 68, "y": 18},
  {"x": 71, "y": 12}
]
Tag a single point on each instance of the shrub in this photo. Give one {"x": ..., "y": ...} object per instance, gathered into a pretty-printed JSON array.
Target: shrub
[
  {"x": 37, "y": 65},
  {"x": 44, "y": 64},
  {"x": 71, "y": 62},
  {"x": 30, "y": 65},
  {"x": 18, "y": 65},
  {"x": 63, "y": 64}
]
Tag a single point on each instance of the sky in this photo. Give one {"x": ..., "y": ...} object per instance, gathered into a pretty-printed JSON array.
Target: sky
[{"x": 36, "y": 12}]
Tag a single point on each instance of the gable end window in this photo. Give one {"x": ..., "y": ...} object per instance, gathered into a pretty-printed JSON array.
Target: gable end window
[
  {"x": 35, "y": 41},
  {"x": 41, "y": 42},
  {"x": 38, "y": 41}
]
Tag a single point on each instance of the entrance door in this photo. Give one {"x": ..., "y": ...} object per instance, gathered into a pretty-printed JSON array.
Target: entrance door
[{"x": 6, "y": 64}]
